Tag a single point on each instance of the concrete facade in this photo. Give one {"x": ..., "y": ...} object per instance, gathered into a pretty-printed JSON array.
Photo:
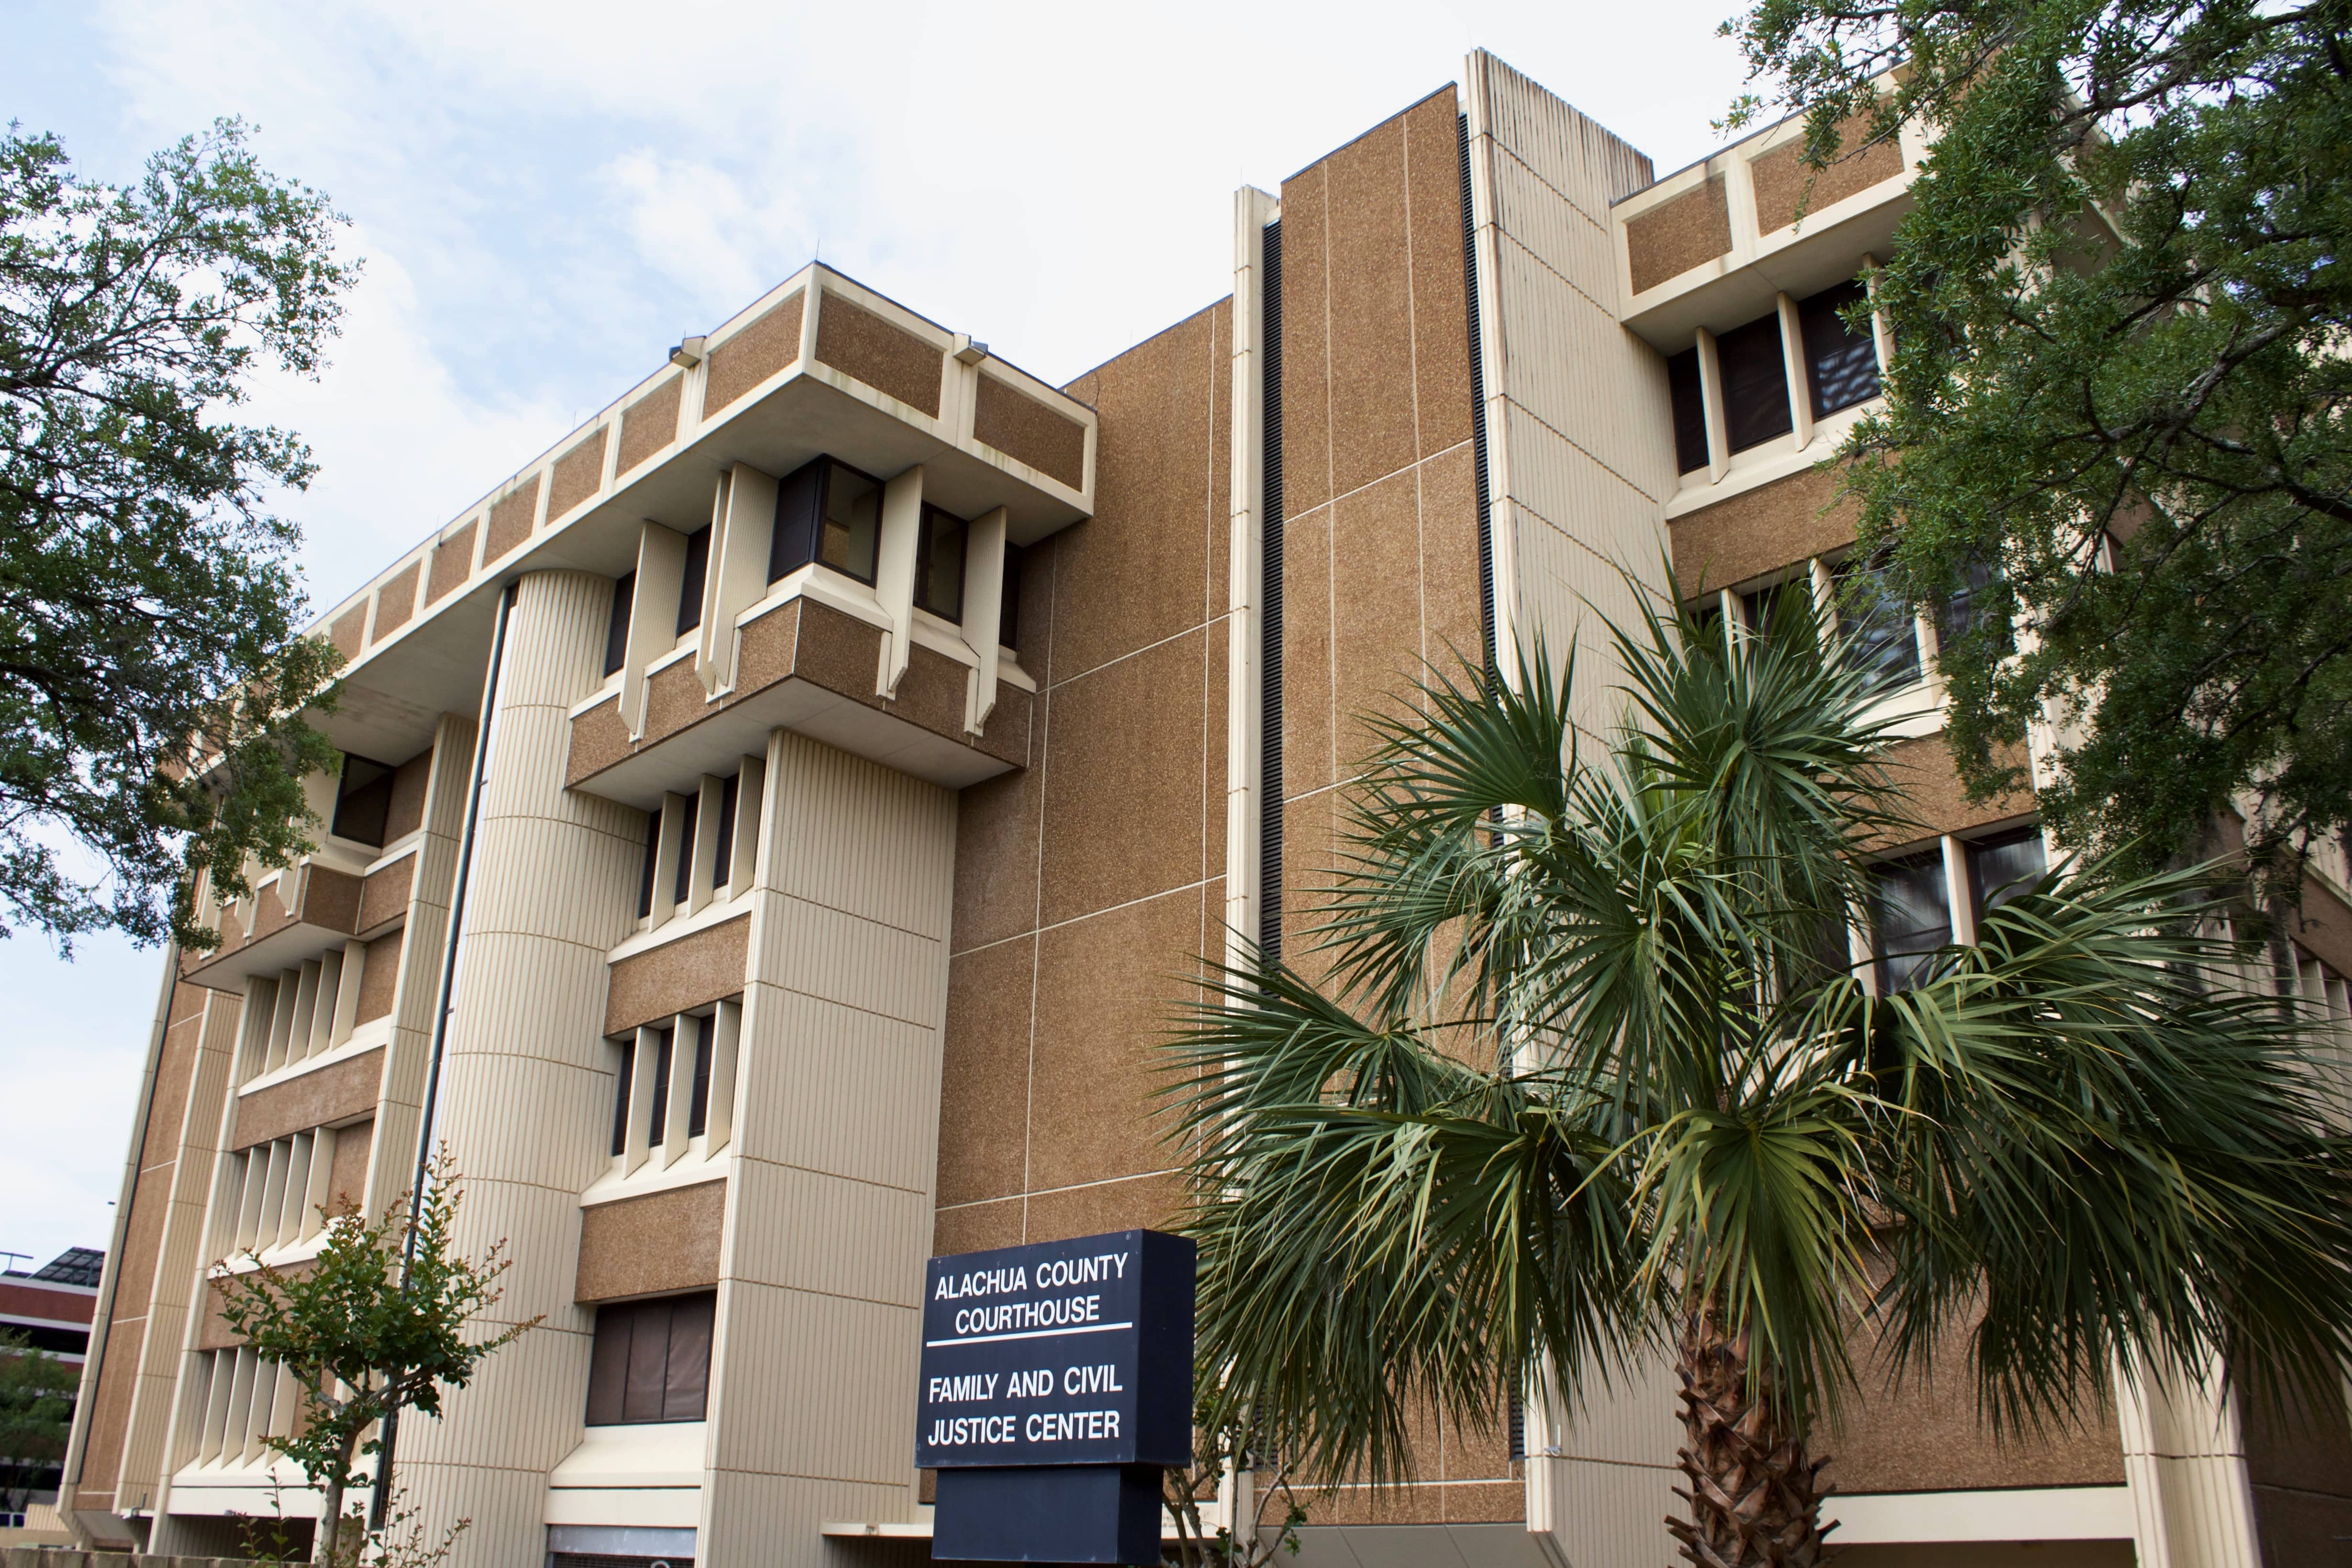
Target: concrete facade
[{"x": 807, "y": 928}]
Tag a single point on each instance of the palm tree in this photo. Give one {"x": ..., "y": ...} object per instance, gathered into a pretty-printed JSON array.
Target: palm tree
[{"x": 1586, "y": 1072}]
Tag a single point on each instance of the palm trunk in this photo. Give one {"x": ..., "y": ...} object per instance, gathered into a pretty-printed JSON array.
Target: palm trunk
[{"x": 1755, "y": 1499}]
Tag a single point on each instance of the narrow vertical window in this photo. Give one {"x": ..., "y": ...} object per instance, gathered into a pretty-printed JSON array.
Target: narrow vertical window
[
  {"x": 1689, "y": 398},
  {"x": 1755, "y": 383},
  {"x": 1008, "y": 610},
  {"x": 683, "y": 883},
  {"x": 621, "y": 1085},
  {"x": 689, "y": 590},
  {"x": 1841, "y": 364},
  {"x": 660, "y": 1130},
  {"x": 1880, "y": 625},
  {"x": 616, "y": 630},
  {"x": 1969, "y": 606},
  {"x": 2005, "y": 867},
  {"x": 793, "y": 544},
  {"x": 1915, "y": 919},
  {"x": 653, "y": 854},
  {"x": 849, "y": 523},
  {"x": 362, "y": 801},
  {"x": 938, "y": 563},
  {"x": 722, "y": 868},
  {"x": 697, "y": 1114}
]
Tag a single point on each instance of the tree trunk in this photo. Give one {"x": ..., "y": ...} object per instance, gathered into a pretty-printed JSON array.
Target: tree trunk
[
  {"x": 1755, "y": 1499},
  {"x": 331, "y": 1510}
]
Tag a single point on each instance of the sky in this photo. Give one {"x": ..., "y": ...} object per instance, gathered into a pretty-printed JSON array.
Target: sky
[{"x": 545, "y": 197}]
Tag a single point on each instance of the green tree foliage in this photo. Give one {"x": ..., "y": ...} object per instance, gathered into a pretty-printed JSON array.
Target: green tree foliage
[
  {"x": 2121, "y": 303},
  {"x": 151, "y": 676},
  {"x": 1584, "y": 1071},
  {"x": 37, "y": 1401},
  {"x": 364, "y": 1334}
]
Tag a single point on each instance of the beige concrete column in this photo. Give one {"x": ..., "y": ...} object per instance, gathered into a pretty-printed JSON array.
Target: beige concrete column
[
  {"x": 834, "y": 1143},
  {"x": 525, "y": 1095},
  {"x": 2185, "y": 1459}
]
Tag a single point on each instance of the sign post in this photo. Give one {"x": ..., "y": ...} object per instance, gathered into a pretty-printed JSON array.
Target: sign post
[{"x": 1056, "y": 1384}]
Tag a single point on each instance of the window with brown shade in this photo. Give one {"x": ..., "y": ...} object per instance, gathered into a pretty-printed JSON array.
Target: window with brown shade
[
  {"x": 363, "y": 800},
  {"x": 828, "y": 512},
  {"x": 651, "y": 1360},
  {"x": 938, "y": 563},
  {"x": 1841, "y": 364},
  {"x": 1688, "y": 395}
]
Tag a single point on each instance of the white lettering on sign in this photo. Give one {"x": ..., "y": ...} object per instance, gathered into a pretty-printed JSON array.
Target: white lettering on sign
[
  {"x": 981, "y": 1282},
  {"x": 1090, "y": 1380},
  {"x": 1053, "y": 1313},
  {"x": 1069, "y": 1425},
  {"x": 1034, "y": 1384},
  {"x": 961, "y": 1431},
  {"x": 957, "y": 1390}
]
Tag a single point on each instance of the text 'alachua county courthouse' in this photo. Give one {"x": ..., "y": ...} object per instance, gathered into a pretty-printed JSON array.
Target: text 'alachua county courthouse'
[{"x": 876, "y": 734}]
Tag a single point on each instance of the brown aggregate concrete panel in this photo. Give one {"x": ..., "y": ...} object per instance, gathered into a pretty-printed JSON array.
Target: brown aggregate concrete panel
[
  {"x": 1783, "y": 181},
  {"x": 1371, "y": 312},
  {"x": 1151, "y": 1202},
  {"x": 647, "y": 1246},
  {"x": 1932, "y": 792},
  {"x": 1124, "y": 812},
  {"x": 349, "y": 634},
  {"x": 347, "y": 1177},
  {"x": 510, "y": 519},
  {"x": 2323, "y": 927},
  {"x": 1133, "y": 573},
  {"x": 2300, "y": 1527},
  {"x": 1441, "y": 294},
  {"x": 1025, "y": 428},
  {"x": 1309, "y": 757},
  {"x": 380, "y": 977},
  {"x": 1305, "y": 341},
  {"x": 677, "y": 975},
  {"x": 1675, "y": 236},
  {"x": 883, "y": 356},
  {"x": 579, "y": 474},
  {"x": 985, "y": 1072},
  {"x": 140, "y": 1240},
  {"x": 410, "y": 782},
  {"x": 1928, "y": 1437},
  {"x": 1376, "y": 608},
  {"x": 333, "y": 1093},
  {"x": 650, "y": 423},
  {"x": 1455, "y": 626},
  {"x": 395, "y": 601},
  {"x": 810, "y": 641},
  {"x": 453, "y": 562},
  {"x": 978, "y": 1227},
  {"x": 996, "y": 859},
  {"x": 1773, "y": 526},
  {"x": 754, "y": 354},
  {"x": 331, "y": 898},
  {"x": 383, "y": 896},
  {"x": 1106, "y": 987}
]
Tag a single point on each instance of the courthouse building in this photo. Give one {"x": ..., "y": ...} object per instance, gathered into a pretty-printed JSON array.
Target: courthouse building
[{"x": 774, "y": 822}]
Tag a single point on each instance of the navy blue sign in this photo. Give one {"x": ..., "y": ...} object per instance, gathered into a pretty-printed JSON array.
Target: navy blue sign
[{"x": 1067, "y": 1352}]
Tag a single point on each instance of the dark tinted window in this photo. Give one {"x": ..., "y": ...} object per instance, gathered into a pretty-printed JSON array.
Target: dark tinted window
[
  {"x": 1884, "y": 636},
  {"x": 938, "y": 563},
  {"x": 1755, "y": 383},
  {"x": 723, "y": 867},
  {"x": 1008, "y": 613},
  {"x": 690, "y": 591},
  {"x": 2002, "y": 867},
  {"x": 651, "y": 1360},
  {"x": 1842, "y": 364},
  {"x": 1758, "y": 607},
  {"x": 697, "y": 1113},
  {"x": 1682, "y": 385},
  {"x": 827, "y": 511},
  {"x": 658, "y": 1129},
  {"x": 653, "y": 854},
  {"x": 682, "y": 883},
  {"x": 616, "y": 630},
  {"x": 362, "y": 801},
  {"x": 1915, "y": 919},
  {"x": 621, "y": 1095},
  {"x": 1970, "y": 604}
]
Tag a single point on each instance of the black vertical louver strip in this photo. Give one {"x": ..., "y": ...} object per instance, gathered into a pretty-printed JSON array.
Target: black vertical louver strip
[
  {"x": 1477, "y": 400},
  {"x": 1269, "y": 898}
]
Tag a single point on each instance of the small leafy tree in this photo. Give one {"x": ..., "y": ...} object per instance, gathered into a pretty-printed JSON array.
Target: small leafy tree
[
  {"x": 37, "y": 1401},
  {"x": 362, "y": 1336},
  {"x": 1223, "y": 1454},
  {"x": 152, "y": 670}
]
